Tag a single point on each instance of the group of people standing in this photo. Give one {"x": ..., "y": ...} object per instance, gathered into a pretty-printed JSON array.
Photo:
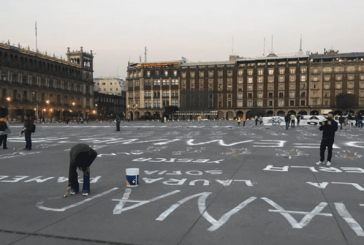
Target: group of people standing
[
  {"x": 290, "y": 119},
  {"x": 27, "y": 130}
]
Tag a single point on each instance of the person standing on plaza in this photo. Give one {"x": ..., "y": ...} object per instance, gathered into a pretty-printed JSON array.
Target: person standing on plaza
[
  {"x": 293, "y": 118},
  {"x": 360, "y": 120},
  {"x": 244, "y": 119},
  {"x": 260, "y": 120},
  {"x": 287, "y": 118},
  {"x": 4, "y": 128},
  {"x": 256, "y": 120},
  {"x": 28, "y": 128},
  {"x": 298, "y": 119},
  {"x": 117, "y": 123},
  {"x": 341, "y": 121},
  {"x": 81, "y": 157},
  {"x": 239, "y": 120},
  {"x": 87, "y": 119},
  {"x": 328, "y": 129}
]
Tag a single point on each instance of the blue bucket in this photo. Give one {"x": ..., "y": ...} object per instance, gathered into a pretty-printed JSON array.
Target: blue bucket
[{"x": 132, "y": 177}]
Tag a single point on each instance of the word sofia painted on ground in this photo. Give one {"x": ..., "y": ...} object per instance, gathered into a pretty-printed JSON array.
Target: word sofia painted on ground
[
  {"x": 121, "y": 207},
  {"x": 323, "y": 185},
  {"x": 178, "y": 172},
  {"x": 313, "y": 169},
  {"x": 176, "y": 160},
  {"x": 40, "y": 179},
  {"x": 193, "y": 182}
]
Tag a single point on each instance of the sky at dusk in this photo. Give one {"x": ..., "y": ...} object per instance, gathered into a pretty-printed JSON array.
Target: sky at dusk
[{"x": 198, "y": 30}]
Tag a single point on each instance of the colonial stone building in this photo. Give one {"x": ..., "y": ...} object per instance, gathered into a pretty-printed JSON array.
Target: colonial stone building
[
  {"x": 109, "y": 105},
  {"x": 296, "y": 83},
  {"x": 333, "y": 73},
  {"x": 109, "y": 85},
  {"x": 152, "y": 86},
  {"x": 52, "y": 87}
]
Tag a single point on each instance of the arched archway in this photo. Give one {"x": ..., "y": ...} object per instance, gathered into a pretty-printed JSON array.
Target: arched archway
[
  {"x": 281, "y": 113},
  {"x": 229, "y": 114},
  {"x": 239, "y": 114},
  {"x": 136, "y": 114},
  {"x": 292, "y": 112},
  {"x": 302, "y": 113},
  {"x": 269, "y": 113},
  {"x": 315, "y": 112}
]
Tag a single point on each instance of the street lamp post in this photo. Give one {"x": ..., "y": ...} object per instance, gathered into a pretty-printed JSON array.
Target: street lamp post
[{"x": 8, "y": 99}]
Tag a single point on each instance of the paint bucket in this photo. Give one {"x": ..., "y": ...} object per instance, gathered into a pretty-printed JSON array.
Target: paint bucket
[{"x": 132, "y": 177}]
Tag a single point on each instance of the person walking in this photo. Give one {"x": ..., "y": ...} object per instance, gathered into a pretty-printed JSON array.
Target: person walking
[
  {"x": 293, "y": 120},
  {"x": 256, "y": 120},
  {"x": 4, "y": 128},
  {"x": 81, "y": 157},
  {"x": 117, "y": 123},
  {"x": 328, "y": 129},
  {"x": 360, "y": 120},
  {"x": 87, "y": 119},
  {"x": 341, "y": 121},
  {"x": 287, "y": 118},
  {"x": 260, "y": 120},
  {"x": 298, "y": 119},
  {"x": 81, "y": 119},
  {"x": 239, "y": 120},
  {"x": 244, "y": 119},
  {"x": 28, "y": 127}
]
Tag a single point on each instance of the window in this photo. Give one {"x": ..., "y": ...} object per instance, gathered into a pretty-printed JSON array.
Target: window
[
  {"x": 270, "y": 71},
  {"x": 250, "y": 95},
  {"x": 315, "y": 71},
  {"x": 338, "y": 85},
  {"x": 292, "y": 78},
  {"x": 240, "y": 72},
  {"x": 339, "y": 69},
  {"x": 240, "y": 80},
  {"x": 303, "y": 78},
  {"x": 220, "y": 73},
  {"x": 110, "y": 83},
  {"x": 281, "y": 78},
  {"x": 157, "y": 82},
  {"x": 166, "y": 73},
  {"x": 165, "y": 82},
  {"x": 260, "y": 95},
  {"x": 303, "y": 69},
  {"x": 260, "y": 72},
  {"x": 260, "y": 86},
  {"x": 175, "y": 73},
  {"x": 292, "y": 70},
  {"x": 157, "y": 73},
  {"x": 146, "y": 83},
  {"x": 350, "y": 84},
  {"x": 327, "y": 94},
  {"x": 327, "y": 69},
  {"x": 339, "y": 77},
  {"x": 280, "y": 94},
  {"x": 250, "y": 104},
  {"x": 260, "y": 103},
  {"x": 240, "y": 104},
  {"x": 240, "y": 96},
  {"x": 327, "y": 77},
  {"x": 250, "y": 80},
  {"x": 281, "y": 103},
  {"x": 291, "y": 94},
  {"x": 281, "y": 71},
  {"x": 97, "y": 84},
  {"x": 110, "y": 89},
  {"x": 303, "y": 102},
  {"x": 260, "y": 79},
  {"x": 271, "y": 79},
  {"x": 250, "y": 72},
  {"x": 270, "y": 103},
  {"x": 250, "y": 87},
  {"x": 148, "y": 73},
  {"x": 103, "y": 83},
  {"x": 270, "y": 95},
  {"x": 303, "y": 94},
  {"x": 175, "y": 82},
  {"x": 291, "y": 102},
  {"x": 220, "y": 105}
]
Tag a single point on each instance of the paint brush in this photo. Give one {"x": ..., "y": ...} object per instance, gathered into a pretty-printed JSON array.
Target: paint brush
[{"x": 67, "y": 191}]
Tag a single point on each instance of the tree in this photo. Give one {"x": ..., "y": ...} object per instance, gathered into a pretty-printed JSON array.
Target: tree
[{"x": 345, "y": 102}]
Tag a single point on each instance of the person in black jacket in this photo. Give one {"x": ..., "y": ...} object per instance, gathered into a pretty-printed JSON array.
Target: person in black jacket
[
  {"x": 341, "y": 121},
  {"x": 28, "y": 125},
  {"x": 81, "y": 156},
  {"x": 287, "y": 118},
  {"x": 328, "y": 129}
]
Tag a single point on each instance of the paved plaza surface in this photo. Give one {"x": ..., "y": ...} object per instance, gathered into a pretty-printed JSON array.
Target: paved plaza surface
[{"x": 214, "y": 183}]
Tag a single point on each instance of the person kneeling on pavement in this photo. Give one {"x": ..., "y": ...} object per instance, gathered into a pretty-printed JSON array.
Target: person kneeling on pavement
[
  {"x": 328, "y": 129},
  {"x": 81, "y": 157}
]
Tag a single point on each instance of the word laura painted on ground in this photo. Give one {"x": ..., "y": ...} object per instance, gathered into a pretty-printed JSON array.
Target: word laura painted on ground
[
  {"x": 184, "y": 160},
  {"x": 39, "y": 179},
  {"x": 193, "y": 182},
  {"x": 215, "y": 224},
  {"x": 313, "y": 169}
]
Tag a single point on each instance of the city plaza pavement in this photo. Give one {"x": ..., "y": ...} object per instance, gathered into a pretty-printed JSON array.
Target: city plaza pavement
[{"x": 214, "y": 183}]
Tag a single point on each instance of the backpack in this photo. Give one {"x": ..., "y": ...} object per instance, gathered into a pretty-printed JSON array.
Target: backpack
[
  {"x": 33, "y": 128},
  {"x": 3, "y": 126}
]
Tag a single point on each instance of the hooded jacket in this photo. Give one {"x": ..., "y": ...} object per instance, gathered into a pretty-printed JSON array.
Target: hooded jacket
[{"x": 328, "y": 130}]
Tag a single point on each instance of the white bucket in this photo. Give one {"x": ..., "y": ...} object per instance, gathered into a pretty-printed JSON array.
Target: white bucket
[{"x": 132, "y": 177}]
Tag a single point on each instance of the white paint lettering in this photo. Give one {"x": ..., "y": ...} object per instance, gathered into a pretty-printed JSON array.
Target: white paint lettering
[
  {"x": 330, "y": 170},
  {"x": 247, "y": 182},
  {"x": 150, "y": 172},
  {"x": 225, "y": 182},
  {"x": 213, "y": 172},
  {"x": 194, "y": 172},
  {"x": 341, "y": 209},
  {"x": 38, "y": 179},
  {"x": 310, "y": 168},
  {"x": 319, "y": 185},
  {"x": 15, "y": 179},
  {"x": 148, "y": 181},
  {"x": 353, "y": 170},
  {"x": 175, "y": 173},
  {"x": 353, "y": 184},
  {"x": 270, "y": 143},
  {"x": 279, "y": 169},
  {"x": 174, "y": 182}
]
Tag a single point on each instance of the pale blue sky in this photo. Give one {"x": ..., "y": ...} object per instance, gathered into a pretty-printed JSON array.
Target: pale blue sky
[{"x": 197, "y": 30}]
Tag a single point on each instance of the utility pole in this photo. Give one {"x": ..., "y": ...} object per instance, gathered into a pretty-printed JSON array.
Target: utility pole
[{"x": 36, "y": 37}]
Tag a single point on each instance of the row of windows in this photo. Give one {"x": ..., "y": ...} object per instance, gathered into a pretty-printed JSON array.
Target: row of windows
[
  {"x": 157, "y": 103},
  {"x": 337, "y": 77},
  {"x": 270, "y": 103},
  {"x": 339, "y": 69},
  {"x": 148, "y": 73},
  {"x": 270, "y": 95}
]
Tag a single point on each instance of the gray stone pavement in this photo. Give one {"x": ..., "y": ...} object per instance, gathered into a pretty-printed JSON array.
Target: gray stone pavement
[{"x": 214, "y": 183}]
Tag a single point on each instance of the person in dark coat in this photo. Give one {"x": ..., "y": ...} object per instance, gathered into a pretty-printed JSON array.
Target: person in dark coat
[
  {"x": 360, "y": 120},
  {"x": 117, "y": 123},
  {"x": 28, "y": 126},
  {"x": 328, "y": 129},
  {"x": 287, "y": 118},
  {"x": 81, "y": 157},
  {"x": 341, "y": 121}
]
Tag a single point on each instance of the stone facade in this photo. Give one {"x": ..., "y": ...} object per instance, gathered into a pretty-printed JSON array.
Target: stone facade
[
  {"x": 296, "y": 83},
  {"x": 52, "y": 87},
  {"x": 109, "y": 105},
  {"x": 109, "y": 85}
]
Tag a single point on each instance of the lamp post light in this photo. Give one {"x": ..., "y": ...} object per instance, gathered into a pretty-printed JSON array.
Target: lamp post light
[{"x": 8, "y": 99}]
